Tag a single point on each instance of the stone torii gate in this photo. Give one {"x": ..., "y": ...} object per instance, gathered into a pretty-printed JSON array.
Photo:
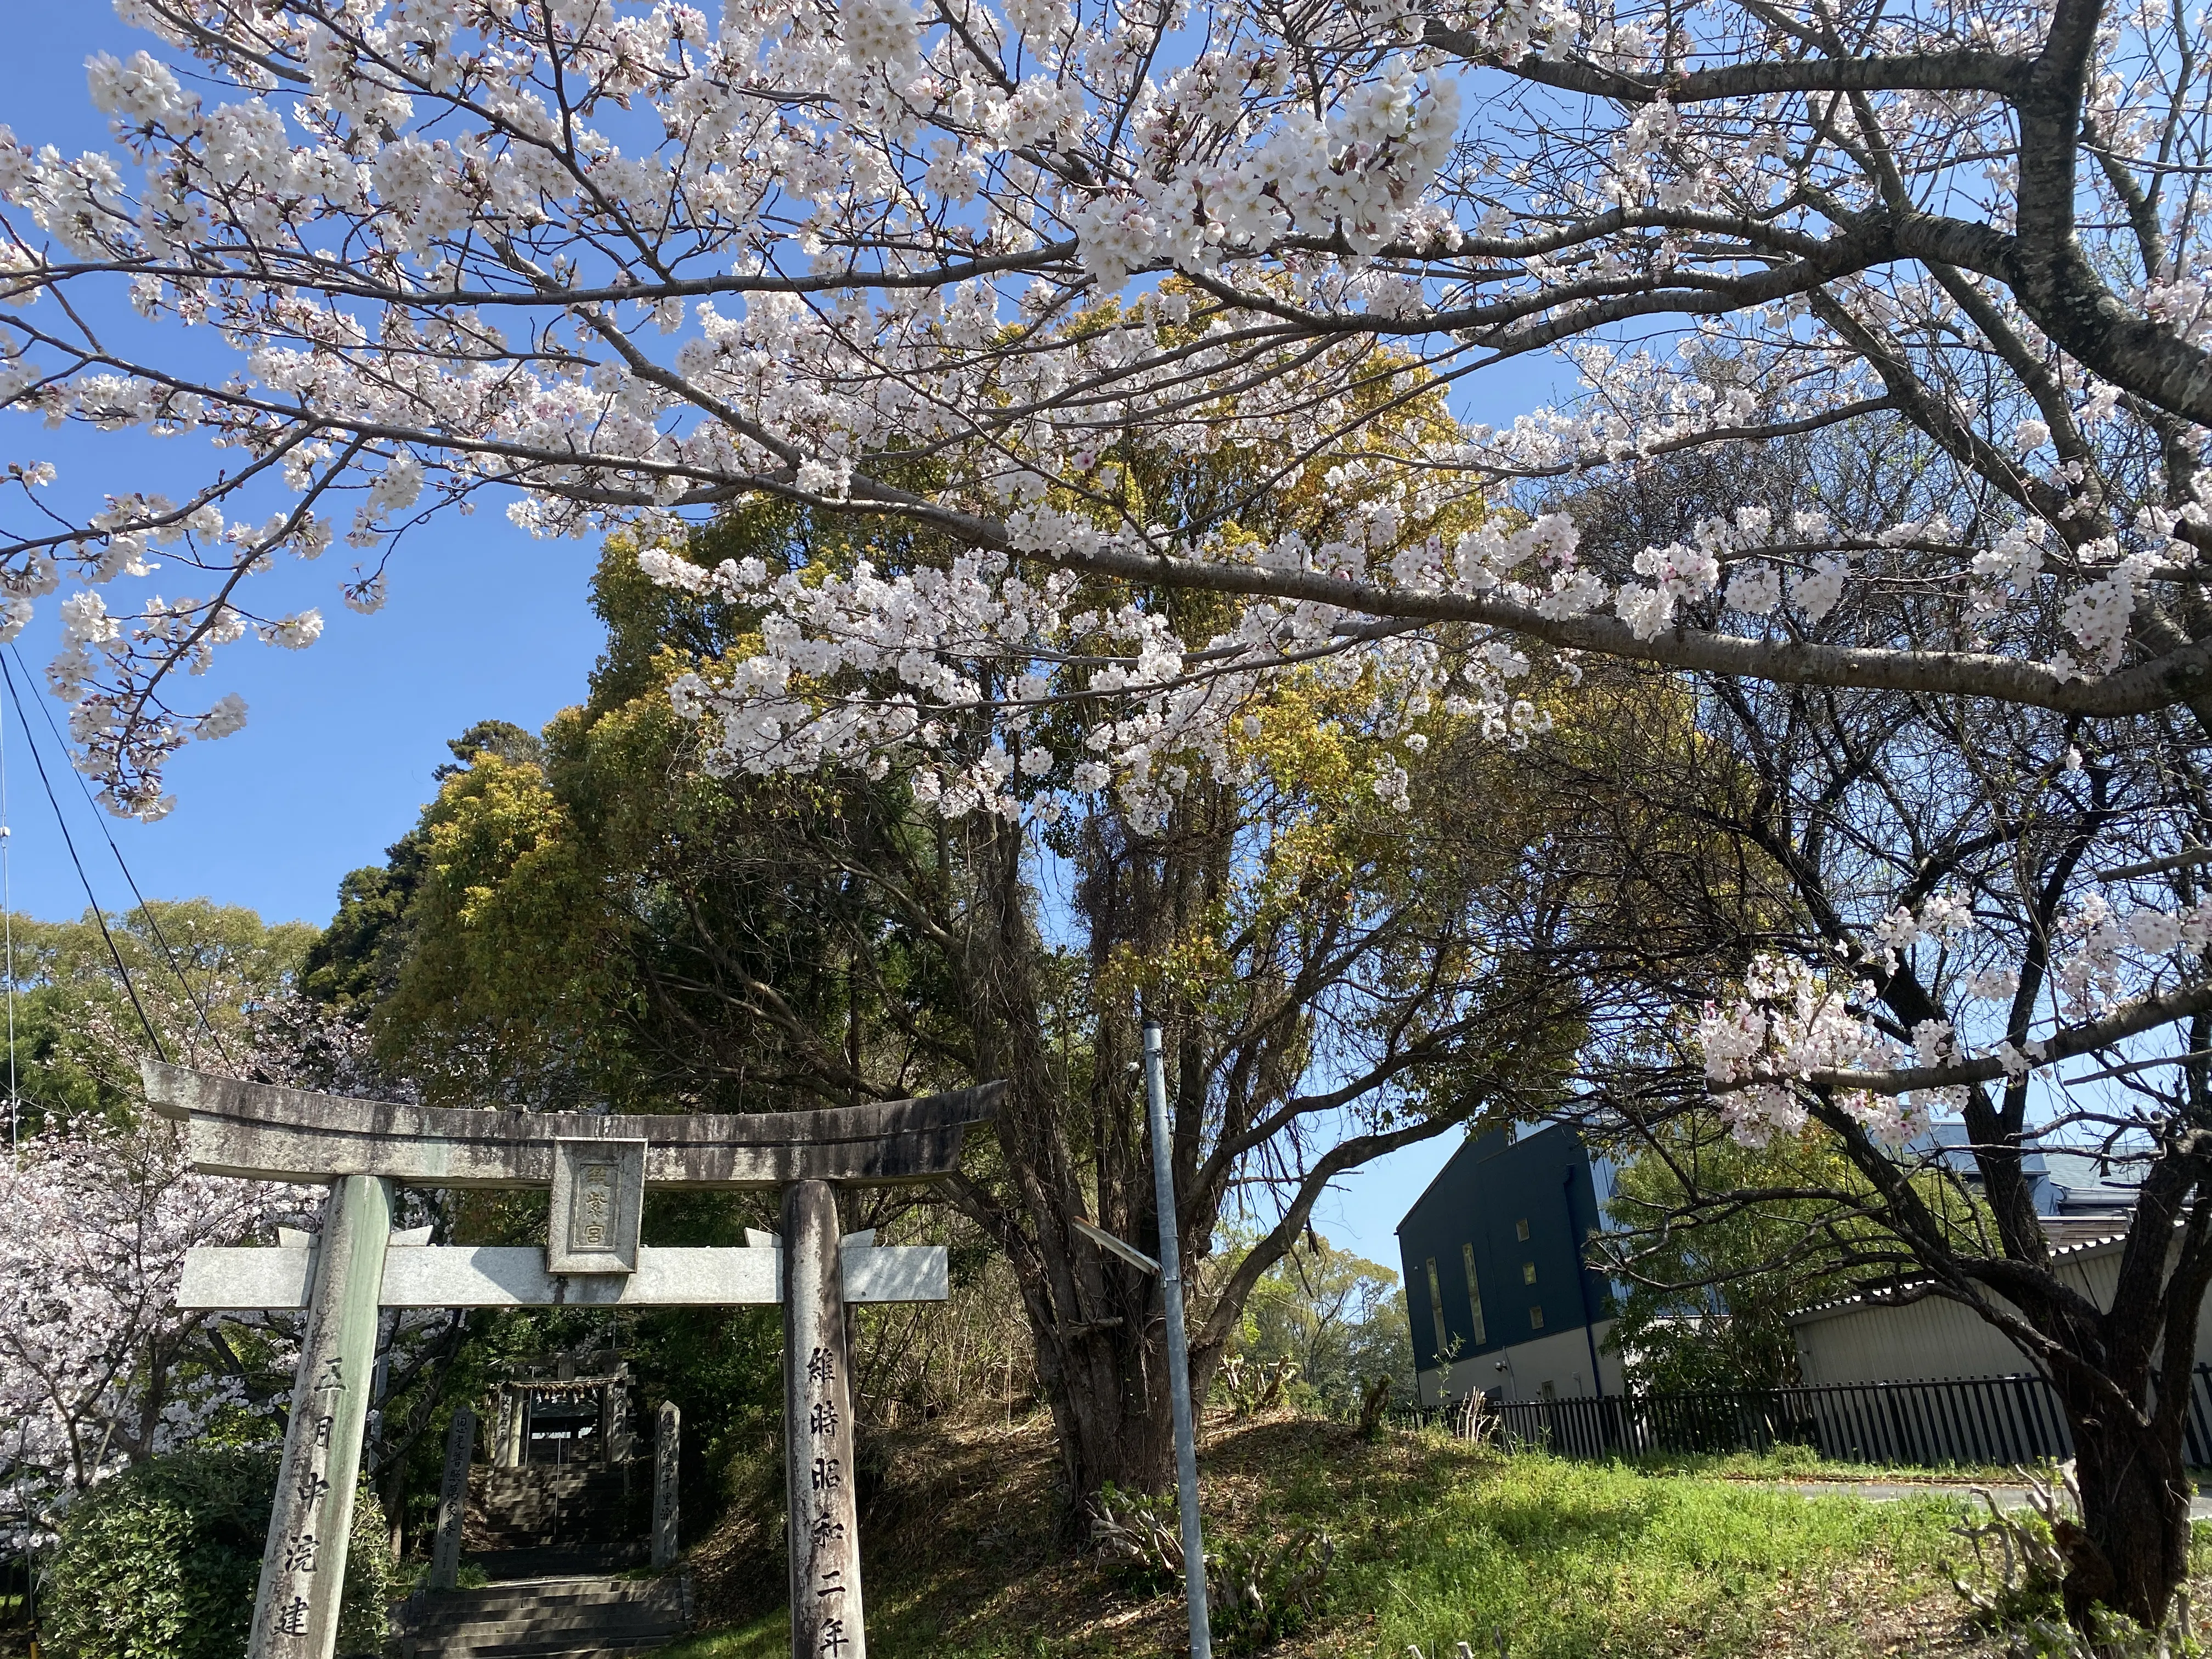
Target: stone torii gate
[{"x": 598, "y": 1166}]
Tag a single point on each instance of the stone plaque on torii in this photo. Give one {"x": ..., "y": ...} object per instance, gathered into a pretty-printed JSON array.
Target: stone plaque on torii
[{"x": 599, "y": 1167}]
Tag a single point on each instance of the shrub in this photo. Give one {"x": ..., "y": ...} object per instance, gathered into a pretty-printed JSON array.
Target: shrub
[
  {"x": 1262, "y": 1590},
  {"x": 161, "y": 1562},
  {"x": 1138, "y": 1537},
  {"x": 1257, "y": 1589}
]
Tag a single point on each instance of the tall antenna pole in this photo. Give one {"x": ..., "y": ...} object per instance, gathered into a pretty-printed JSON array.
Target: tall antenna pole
[
  {"x": 8, "y": 931},
  {"x": 1185, "y": 1436}
]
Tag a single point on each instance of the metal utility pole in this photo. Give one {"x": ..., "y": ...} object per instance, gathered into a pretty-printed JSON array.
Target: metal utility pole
[{"x": 1186, "y": 1437}]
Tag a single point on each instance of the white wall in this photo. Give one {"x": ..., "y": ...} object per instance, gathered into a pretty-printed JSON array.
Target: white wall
[
  {"x": 1923, "y": 1339},
  {"x": 1932, "y": 1339},
  {"x": 1562, "y": 1360}
]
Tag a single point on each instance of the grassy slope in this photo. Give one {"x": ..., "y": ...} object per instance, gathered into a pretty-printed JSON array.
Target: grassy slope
[{"x": 1437, "y": 1543}]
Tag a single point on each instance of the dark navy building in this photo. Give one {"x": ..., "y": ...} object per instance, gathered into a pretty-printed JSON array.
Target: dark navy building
[{"x": 1501, "y": 1298}]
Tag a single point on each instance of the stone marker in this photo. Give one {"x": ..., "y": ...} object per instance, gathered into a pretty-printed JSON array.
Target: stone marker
[
  {"x": 826, "y": 1615},
  {"x": 454, "y": 1499},
  {"x": 667, "y": 1450},
  {"x": 296, "y": 1608},
  {"x": 507, "y": 1433}
]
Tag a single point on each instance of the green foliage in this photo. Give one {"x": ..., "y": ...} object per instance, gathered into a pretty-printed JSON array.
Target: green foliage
[
  {"x": 1258, "y": 1588},
  {"x": 1339, "y": 1319},
  {"x": 1138, "y": 1538},
  {"x": 161, "y": 1563},
  {"x": 357, "y": 956},
  {"x": 355, "y": 963},
  {"x": 78, "y": 1034},
  {"x": 1711, "y": 1282},
  {"x": 1261, "y": 1590},
  {"x": 585, "y": 917}
]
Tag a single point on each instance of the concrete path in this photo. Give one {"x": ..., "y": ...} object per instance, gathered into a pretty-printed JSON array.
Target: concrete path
[{"x": 1881, "y": 1492}]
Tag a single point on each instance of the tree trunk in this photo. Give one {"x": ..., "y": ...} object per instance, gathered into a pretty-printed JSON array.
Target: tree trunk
[
  {"x": 1101, "y": 1341},
  {"x": 1111, "y": 1431},
  {"x": 2131, "y": 1550}
]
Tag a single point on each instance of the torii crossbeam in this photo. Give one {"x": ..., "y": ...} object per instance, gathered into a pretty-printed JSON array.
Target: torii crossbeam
[{"x": 598, "y": 1166}]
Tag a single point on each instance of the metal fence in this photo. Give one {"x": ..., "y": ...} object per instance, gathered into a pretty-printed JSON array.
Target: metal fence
[{"x": 1992, "y": 1419}]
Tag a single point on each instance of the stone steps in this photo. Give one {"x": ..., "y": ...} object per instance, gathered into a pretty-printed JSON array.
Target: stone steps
[
  {"x": 550, "y": 1618},
  {"x": 543, "y": 1506}
]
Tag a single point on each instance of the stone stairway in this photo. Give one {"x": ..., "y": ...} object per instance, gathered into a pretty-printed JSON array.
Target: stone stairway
[
  {"x": 546, "y": 1506},
  {"x": 587, "y": 1618}
]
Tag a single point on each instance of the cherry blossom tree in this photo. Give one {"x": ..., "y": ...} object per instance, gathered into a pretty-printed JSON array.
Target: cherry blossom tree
[
  {"x": 1893, "y": 909},
  {"x": 630, "y": 262},
  {"x": 98, "y": 1368},
  {"x": 625, "y": 264},
  {"x": 622, "y": 263}
]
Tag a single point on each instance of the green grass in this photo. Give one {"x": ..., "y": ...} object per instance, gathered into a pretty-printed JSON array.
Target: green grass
[
  {"x": 1786, "y": 1462},
  {"x": 1437, "y": 1543},
  {"x": 1575, "y": 1558}
]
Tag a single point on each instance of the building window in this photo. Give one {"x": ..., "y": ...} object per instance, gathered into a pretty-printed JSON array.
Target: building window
[
  {"x": 1521, "y": 1230},
  {"x": 1436, "y": 1310},
  {"x": 1528, "y": 1272},
  {"x": 1474, "y": 1293},
  {"x": 1536, "y": 1318}
]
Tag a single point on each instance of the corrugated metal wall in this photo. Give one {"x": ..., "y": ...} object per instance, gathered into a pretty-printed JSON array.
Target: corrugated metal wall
[
  {"x": 1522, "y": 1371},
  {"x": 1931, "y": 1339}
]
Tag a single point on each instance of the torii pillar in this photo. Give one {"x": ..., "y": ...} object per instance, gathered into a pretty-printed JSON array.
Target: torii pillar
[
  {"x": 826, "y": 1617},
  {"x": 295, "y": 1606}
]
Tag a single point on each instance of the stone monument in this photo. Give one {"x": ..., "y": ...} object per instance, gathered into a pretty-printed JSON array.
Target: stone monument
[
  {"x": 452, "y": 1499},
  {"x": 667, "y": 1450},
  {"x": 599, "y": 1167}
]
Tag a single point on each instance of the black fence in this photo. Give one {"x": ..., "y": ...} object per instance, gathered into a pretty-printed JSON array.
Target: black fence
[{"x": 1995, "y": 1420}]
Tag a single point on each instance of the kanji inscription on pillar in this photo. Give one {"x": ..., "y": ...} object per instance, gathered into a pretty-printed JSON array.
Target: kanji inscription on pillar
[
  {"x": 667, "y": 1445},
  {"x": 303, "y": 1542},
  {"x": 826, "y": 1618},
  {"x": 296, "y": 1603}
]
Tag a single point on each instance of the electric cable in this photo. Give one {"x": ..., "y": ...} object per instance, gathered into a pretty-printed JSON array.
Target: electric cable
[
  {"x": 198, "y": 1004},
  {"x": 68, "y": 841},
  {"x": 7, "y": 933}
]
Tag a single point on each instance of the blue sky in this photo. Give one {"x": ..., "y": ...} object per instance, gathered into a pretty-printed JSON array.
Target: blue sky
[{"x": 335, "y": 761}]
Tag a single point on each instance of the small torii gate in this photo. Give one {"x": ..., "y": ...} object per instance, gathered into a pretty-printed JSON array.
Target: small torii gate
[{"x": 598, "y": 1166}]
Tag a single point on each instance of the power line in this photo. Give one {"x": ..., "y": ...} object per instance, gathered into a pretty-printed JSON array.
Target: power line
[
  {"x": 198, "y": 1005},
  {"x": 83, "y": 880},
  {"x": 8, "y": 930}
]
